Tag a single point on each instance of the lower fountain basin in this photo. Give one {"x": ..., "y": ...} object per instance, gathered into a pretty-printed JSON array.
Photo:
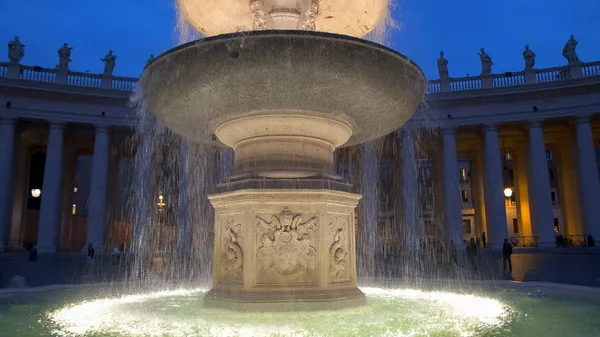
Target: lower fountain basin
[
  {"x": 199, "y": 86},
  {"x": 509, "y": 311}
]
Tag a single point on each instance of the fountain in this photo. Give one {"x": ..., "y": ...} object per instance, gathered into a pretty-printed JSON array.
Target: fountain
[{"x": 284, "y": 96}]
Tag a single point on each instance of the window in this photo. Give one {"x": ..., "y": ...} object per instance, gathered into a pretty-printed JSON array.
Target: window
[
  {"x": 551, "y": 175},
  {"x": 74, "y": 209},
  {"x": 465, "y": 195},
  {"x": 508, "y": 156},
  {"x": 463, "y": 175},
  {"x": 556, "y": 226},
  {"x": 511, "y": 174},
  {"x": 553, "y": 198},
  {"x": 549, "y": 154},
  {"x": 515, "y": 226},
  {"x": 466, "y": 227}
]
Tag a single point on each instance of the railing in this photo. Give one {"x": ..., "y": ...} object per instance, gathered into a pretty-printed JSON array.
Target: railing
[
  {"x": 509, "y": 79},
  {"x": 524, "y": 241},
  {"x": 571, "y": 241}
]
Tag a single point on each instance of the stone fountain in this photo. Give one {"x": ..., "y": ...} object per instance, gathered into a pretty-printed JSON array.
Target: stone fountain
[{"x": 278, "y": 82}]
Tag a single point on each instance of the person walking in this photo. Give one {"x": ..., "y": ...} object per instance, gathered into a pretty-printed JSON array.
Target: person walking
[
  {"x": 483, "y": 239},
  {"x": 507, "y": 251}
]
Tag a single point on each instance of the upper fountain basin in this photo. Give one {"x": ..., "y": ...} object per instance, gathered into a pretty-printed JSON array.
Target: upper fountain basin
[
  {"x": 348, "y": 17},
  {"x": 197, "y": 87}
]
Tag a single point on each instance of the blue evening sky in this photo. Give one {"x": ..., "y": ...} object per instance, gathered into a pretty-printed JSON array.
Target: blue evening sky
[{"x": 136, "y": 28}]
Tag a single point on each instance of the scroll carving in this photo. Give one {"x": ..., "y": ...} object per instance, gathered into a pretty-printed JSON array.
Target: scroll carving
[
  {"x": 308, "y": 15},
  {"x": 260, "y": 17},
  {"x": 286, "y": 244},
  {"x": 233, "y": 256},
  {"x": 338, "y": 251}
]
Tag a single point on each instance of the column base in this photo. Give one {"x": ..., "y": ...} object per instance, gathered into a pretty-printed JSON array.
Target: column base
[{"x": 297, "y": 300}]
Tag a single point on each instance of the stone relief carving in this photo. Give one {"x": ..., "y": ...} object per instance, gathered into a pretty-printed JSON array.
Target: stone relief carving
[
  {"x": 308, "y": 15},
  {"x": 260, "y": 16},
  {"x": 338, "y": 251},
  {"x": 286, "y": 244},
  {"x": 232, "y": 257}
]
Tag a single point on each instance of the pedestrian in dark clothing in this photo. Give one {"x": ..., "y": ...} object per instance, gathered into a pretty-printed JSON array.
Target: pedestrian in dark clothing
[
  {"x": 590, "y": 241},
  {"x": 483, "y": 239},
  {"x": 507, "y": 251},
  {"x": 91, "y": 251}
]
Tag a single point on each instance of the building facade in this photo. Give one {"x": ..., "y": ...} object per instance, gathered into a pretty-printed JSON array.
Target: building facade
[{"x": 511, "y": 155}]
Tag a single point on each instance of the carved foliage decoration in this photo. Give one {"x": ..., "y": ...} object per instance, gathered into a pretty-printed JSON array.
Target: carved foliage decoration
[
  {"x": 309, "y": 11},
  {"x": 260, "y": 15},
  {"x": 285, "y": 244},
  {"x": 232, "y": 256},
  {"x": 338, "y": 251}
]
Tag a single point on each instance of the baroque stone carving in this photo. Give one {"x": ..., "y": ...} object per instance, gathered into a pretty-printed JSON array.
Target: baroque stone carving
[
  {"x": 260, "y": 17},
  {"x": 442, "y": 63},
  {"x": 16, "y": 50},
  {"x": 569, "y": 51},
  {"x": 529, "y": 57},
  {"x": 233, "y": 257},
  {"x": 308, "y": 15},
  {"x": 338, "y": 251},
  {"x": 110, "y": 61},
  {"x": 486, "y": 62},
  {"x": 286, "y": 248},
  {"x": 64, "y": 57}
]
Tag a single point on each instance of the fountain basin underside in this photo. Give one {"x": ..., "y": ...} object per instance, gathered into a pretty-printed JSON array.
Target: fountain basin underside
[{"x": 196, "y": 87}]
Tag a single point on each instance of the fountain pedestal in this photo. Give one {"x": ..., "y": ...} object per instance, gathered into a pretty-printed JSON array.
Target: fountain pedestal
[{"x": 284, "y": 250}]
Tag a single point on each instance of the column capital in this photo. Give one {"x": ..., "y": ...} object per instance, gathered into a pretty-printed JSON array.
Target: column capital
[
  {"x": 535, "y": 123},
  {"x": 8, "y": 120},
  {"x": 582, "y": 119},
  {"x": 101, "y": 128},
  {"x": 57, "y": 125},
  {"x": 490, "y": 127},
  {"x": 448, "y": 130}
]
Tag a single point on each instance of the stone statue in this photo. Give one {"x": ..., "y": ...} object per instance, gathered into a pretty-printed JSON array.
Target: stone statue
[
  {"x": 486, "y": 62},
  {"x": 260, "y": 17},
  {"x": 150, "y": 59},
  {"x": 529, "y": 57},
  {"x": 109, "y": 62},
  {"x": 64, "y": 57},
  {"x": 442, "y": 63},
  {"x": 16, "y": 50},
  {"x": 569, "y": 51},
  {"x": 308, "y": 18}
]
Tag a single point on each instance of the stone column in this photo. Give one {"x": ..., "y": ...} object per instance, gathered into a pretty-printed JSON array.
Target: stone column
[
  {"x": 452, "y": 200},
  {"x": 540, "y": 203},
  {"x": 477, "y": 190},
  {"x": 7, "y": 144},
  {"x": 494, "y": 190},
  {"x": 97, "y": 212},
  {"x": 588, "y": 177},
  {"x": 409, "y": 196},
  {"x": 50, "y": 210}
]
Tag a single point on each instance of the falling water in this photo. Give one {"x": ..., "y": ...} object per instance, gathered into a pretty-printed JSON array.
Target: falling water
[{"x": 400, "y": 223}]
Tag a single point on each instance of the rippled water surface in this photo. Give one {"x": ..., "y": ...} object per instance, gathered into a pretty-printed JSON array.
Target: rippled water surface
[{"x": 389, "y": 312}]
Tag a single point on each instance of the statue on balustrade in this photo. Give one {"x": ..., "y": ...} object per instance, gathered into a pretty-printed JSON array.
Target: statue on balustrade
[
  {"x": 64, "y": 57},
  {"x": 110, "y": 61},
  {"x": 442, "y": 64},
  {"x": 16, "y": 50},
  {"x": 150, "y": 59},
  {"x": 486, "y": 62},
  {"x": 569, "y": 51},
  {"x": 529, "y": 57}
]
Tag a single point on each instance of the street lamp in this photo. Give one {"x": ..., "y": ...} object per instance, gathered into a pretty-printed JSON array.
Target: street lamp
[
  {"x": 36, "y": 192},
  {"x": 508, "y": 192},
  {"x": 160, "y": 204}
]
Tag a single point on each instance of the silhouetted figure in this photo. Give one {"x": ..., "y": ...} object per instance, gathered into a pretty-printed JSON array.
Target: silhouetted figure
[
  {"x": 471, "y": 251},
  {"x": 33, "y": 254},
  {"x": 507, "y": 251},
  {"x": 483, "y": 240},
  {"x": 91, "y": 251},
  {"x": 590, "y": 241}
]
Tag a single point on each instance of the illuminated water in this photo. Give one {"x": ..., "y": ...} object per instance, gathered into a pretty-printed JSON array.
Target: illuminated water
[{"x": 390, "y": 312}]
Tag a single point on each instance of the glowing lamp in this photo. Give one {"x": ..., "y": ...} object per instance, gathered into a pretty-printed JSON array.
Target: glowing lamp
[
  {"x": 36, "y": 192},
  {"x": 508, "y": 192}
]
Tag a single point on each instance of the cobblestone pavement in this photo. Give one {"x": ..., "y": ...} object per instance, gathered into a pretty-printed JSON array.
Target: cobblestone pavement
[{"x": 571, "y": 266}]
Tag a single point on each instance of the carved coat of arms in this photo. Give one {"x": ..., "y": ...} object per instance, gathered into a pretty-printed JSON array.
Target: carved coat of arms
[{"x": 286, "y": 248}]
